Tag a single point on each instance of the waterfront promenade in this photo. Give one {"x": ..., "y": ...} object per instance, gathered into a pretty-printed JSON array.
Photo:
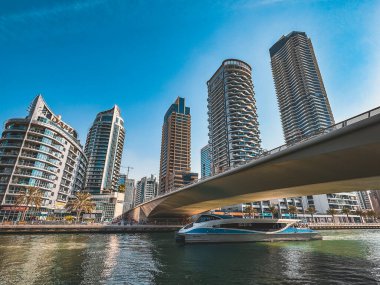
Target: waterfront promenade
[
  {"x": 141, "y": 228},
  {"x": 93, "y": 228},
  {"x": 343, "y": 226}
]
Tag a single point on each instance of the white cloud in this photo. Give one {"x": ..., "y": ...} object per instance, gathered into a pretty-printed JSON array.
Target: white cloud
[{"x": 51, "y": 11}]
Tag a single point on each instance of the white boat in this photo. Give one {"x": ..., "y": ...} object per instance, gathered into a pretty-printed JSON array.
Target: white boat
[{"x": 223, "y": 228}]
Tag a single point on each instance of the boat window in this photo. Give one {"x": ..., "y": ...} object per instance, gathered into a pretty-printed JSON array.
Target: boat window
[
  {"x": 262, "y": 227},
  {"x": 206, "y": 218}
]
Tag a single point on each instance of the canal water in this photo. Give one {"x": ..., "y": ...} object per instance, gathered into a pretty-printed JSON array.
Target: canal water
[{"x": 342, "y": 257}]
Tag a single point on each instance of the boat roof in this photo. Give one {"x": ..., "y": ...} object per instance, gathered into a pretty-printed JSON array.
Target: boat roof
[{"x": 256, "y": 220}]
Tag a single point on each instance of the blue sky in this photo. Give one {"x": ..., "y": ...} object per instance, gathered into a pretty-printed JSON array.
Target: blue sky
[{"x": 86, "y": 56}]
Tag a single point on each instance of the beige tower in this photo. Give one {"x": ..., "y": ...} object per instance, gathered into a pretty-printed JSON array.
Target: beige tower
[{"x": 175, "y": 148}]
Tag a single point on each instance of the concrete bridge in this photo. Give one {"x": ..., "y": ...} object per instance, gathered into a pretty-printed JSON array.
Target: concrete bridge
[{"x": 342, "y": 158}]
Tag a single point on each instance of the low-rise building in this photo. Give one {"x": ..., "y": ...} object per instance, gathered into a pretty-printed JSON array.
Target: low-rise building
[
  {"x": 336, "y": 201},
  {"x": 108, "y": 206},
  {"x": 130, "y": 192}
]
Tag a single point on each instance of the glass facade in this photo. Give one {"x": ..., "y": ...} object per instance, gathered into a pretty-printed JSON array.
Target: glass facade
[
  {"x": 104, "y": 149},
  {"x": 40, "y": 151},
  {"x": 206, "y": 161}
]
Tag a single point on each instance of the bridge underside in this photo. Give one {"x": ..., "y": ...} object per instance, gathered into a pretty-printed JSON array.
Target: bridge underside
[{"x": 344, "y": 160}]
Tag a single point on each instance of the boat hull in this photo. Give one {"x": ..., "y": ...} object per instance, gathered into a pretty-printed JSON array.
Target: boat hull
[{"x": 257, "y": 237}]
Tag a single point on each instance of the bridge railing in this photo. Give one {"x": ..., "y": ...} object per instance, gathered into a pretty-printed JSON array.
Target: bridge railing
[{"x": 307, "y": 137}]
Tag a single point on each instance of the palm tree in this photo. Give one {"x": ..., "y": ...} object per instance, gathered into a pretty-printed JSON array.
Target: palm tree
[
  {"x": 273, "y": 210},
  {"x": 331, "y": 212},
  {"x": 371, "y": 214},
  {"x": 81, "y": 203},
  {"x": 360, "y": 213},
  {"x": 346, "y": 211},
  {"x": 30, "y": 197},
  {"x": 250, "y": 211},
  {"x": 311, "y": 210},
  {"x": 122, "y": 188},
  {"x": 292, "y": 211}
]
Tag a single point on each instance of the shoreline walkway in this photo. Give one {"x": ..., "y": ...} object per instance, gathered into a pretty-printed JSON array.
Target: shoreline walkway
[
  {"x": 98, "y": 228},
  {"x": 55, "y": 229},
  {"x": 343, "y": 226}
]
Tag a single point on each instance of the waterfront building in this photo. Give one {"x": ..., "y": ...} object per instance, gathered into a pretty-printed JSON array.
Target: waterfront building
[
  {"x": 175, "y": 147},
  {"x": 364, "y": 199},
  {"x": 234, "y": 135},
  {"x": 104, "y": 149},
  {"x": 146, "y": 189},
  {"x": 130, "y": 192},
  {"x": 375, "y": 199},
  {"x": 40, "y": 151},
  {"x": 262, "y": 207},
  {"x": 206, "y": 161},
  {"x": 336, "y": 201},
  {"x": 108, "y": 206},
  {"x": 301, "y": 95}
]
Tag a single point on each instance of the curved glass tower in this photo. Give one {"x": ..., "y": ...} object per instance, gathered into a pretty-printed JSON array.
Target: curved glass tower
[
  {"x": 41, "y": 151},
  {"x": 301, "y": 95},
  {"x": 104, "y": 149},
  {"x": 234, "y": 134}
]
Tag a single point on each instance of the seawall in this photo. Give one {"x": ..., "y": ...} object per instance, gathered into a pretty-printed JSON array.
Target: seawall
[{"x": 56, "y": 229}]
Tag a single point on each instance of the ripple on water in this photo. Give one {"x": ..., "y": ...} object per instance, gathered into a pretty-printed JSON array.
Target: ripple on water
[{"x": 342, "y": 257}]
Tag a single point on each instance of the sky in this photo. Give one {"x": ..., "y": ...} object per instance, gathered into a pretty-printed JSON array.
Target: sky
[{"x": 86, "y": 56}]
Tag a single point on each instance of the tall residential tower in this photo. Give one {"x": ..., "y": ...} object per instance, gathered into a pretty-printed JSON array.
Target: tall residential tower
[
  {"x": 234, "y": 135},
  {"x": 175, "y": 148},
  {"x": 39, "y": 151},
  {"x": 104, "y": 149},
  {"x": 301, "y": 95},
  {"x": 303, "y": 103}
]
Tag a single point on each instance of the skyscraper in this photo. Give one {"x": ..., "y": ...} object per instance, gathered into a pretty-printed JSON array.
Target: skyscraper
[
  {"x": 234, "y": 135},
  {"x": 175, "y": 148},
  {"x": 39, "y": 151},
  {"x": 303, "y": 104},
  {"x": 206, "y": 161},
  {"x": 301, "y": 95},
  {"x": 146, "y": 189},
  {"x": 104, "y": 149}
]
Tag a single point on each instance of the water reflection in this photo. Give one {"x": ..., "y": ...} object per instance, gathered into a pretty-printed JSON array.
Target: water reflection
[{"x": 344, "y": 256}]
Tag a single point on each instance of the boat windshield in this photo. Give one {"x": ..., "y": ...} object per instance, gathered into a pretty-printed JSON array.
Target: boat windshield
[
  {"x": 188, "y": 226},
  {"x": 206, "y": 218}
]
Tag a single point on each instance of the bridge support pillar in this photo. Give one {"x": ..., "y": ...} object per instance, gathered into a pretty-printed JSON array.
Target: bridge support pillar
[{"x": 137, "y": 215}]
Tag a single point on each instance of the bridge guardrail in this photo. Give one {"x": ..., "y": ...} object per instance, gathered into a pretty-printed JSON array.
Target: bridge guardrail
[{"x": 264, "y": 153}]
